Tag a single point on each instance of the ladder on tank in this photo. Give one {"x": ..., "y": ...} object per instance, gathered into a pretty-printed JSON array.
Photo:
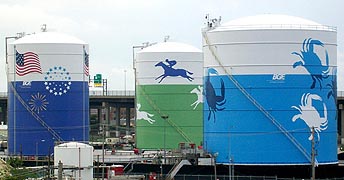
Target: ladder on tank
[
  {"x": 171, "y": 123},
  {"x": 39, "y": 119},
  {"x": 256, "y": 103}
]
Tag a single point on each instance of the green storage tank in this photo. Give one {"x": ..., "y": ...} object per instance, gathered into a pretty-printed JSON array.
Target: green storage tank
[{"x": 169, "y": 96}]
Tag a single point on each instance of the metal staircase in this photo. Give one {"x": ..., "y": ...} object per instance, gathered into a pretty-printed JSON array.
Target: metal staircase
[
  {"x": 171, "y": 123},
  {"x": 177, "y": 166},
  {"x": 33, "y": 113},
  {"x": 256, "y": 103}
]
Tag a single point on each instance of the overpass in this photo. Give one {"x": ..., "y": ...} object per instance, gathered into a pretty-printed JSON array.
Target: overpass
[{"x": 113, "y": 113}]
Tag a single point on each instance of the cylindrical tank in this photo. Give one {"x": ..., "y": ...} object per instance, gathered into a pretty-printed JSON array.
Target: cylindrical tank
[
  {"x": 76, "y": 158},
  {"x": 48, "y": 92},
  {"x": 169, "y": 99},
  {"x": 270, "y": 80}
]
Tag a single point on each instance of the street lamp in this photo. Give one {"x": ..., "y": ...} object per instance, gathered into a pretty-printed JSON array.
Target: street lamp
[
  {"x": 213, "y": 156},
  {"x": 125, "y": 82},
  {"x": 165, "y": 117},
  {"x": 14, "y": 104},
  {"x": 42, "y": 140}
]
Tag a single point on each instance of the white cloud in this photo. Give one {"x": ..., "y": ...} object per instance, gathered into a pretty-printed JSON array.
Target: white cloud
[{"x": 112, "y": 27}]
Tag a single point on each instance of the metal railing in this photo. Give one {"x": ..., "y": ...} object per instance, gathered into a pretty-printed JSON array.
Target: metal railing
[
  {"x": 131, "y": 93},
  {"x": 113, "y": 93},
  {"x": 158, "y": 176},
  {"x": 98, "y": 93},
  {"x": 278, "y": 26},
  {"x": 340, "y": 93}
]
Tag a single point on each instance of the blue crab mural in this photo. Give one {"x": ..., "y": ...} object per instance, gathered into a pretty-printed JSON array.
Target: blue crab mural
[
  {"x": 311, "y": 61},
  {"x": 215, "y": 102},
  {"x": 332, "y": 86}
]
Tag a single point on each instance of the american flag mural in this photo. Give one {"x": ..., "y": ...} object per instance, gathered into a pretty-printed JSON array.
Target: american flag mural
[
  {"x": 27, "y": 63},
  {"x": 86, "y": 63}
]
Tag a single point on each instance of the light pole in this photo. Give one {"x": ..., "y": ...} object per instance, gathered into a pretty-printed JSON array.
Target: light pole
[
  {"x": 313, "y": 155},
  {"x": 125, "y": 82},
  {"x": 6, "y": 42},
  {"x": 165, "y": 117},
  {"x": 214, "y": 161},
  {"x": 42, "y": 140},
  {"x": 103, "y": 149},
  {"x": 14, "y": 74}
]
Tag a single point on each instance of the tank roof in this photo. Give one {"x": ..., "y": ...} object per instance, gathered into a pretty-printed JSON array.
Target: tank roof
[
  {"x": 272, "y": 21},
  {"x": 170, "y": 47},
  {"x": 73, "y": 145},
  {"x": 48, "y": 37}
]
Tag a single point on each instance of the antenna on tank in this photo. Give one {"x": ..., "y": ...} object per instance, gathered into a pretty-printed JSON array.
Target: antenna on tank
[
  {"x": 44, "y": 28},
  {"x": 20, "y": 35},
  {"x": 166, "y": 38},
  {"x": 146, "y": 44},
  {"x": 212, "y": 23}
]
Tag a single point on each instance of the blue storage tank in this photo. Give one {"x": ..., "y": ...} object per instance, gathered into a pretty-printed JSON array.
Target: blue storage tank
[
  {"x": 268, "y": 80},
  {"x": 48, "y": 92}
]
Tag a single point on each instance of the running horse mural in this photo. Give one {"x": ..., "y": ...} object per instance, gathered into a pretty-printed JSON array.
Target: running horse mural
[{"x": 170, "y": 71}]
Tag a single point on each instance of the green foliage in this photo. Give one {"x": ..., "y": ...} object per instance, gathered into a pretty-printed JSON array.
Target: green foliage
[
  {"x": 15, "y": 162},
  {"x": 18, "y": 172}
]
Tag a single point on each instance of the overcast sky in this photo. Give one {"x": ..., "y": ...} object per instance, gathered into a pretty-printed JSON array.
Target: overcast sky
[{"x": 113, "y": 27}]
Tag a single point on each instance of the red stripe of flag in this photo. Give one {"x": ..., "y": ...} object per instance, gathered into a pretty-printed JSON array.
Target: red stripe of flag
[{"x": 31, "y": 64}]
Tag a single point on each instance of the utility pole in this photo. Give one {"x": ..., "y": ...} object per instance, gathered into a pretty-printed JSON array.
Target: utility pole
[
  {"x": 214, "y": 161},
  {"x": 165, "y": 117},
  {"x": 103, "y": 153},
  {"x": 313, "y": 155},
  {"x": 59, "y": 171},
  {"x": 49, "y": 163}
]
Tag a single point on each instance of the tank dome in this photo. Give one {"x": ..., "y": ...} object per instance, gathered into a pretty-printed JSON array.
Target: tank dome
[
  {"x": 272, "y": 21},
  {"x": 73, "y": 145},
  {"x": 170, "y": 47}
]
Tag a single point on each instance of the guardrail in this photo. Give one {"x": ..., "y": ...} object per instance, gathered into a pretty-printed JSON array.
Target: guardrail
[
  {"x": 131, "y": 93},
  {"x": 98, "y": 93},
  {"x": 340, "y": 93},
  {"x": 112, "y": 93},
  {"x": 3, "y": 94},
  {"x": 278, "y": 26}
]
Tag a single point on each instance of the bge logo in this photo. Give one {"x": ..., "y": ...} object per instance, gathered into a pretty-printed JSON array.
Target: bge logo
[
  {"x": 278, "y": 77},
  {"x": 26, "y": 83}
]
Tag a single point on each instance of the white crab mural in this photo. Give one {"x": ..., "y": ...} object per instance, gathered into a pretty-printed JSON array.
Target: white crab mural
[{"x": 310, "y": 115}]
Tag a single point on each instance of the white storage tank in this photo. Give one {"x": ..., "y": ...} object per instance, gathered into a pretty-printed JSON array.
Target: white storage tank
[
  {"x": 48, "y": 92},
  {"x": 268, "y": 80},
  {"x": 77, "y": 160},
  {"x": 169, "y": 97}
]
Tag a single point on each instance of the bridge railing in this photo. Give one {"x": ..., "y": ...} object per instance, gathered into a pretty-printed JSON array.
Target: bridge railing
[
  {"x": 131, "y": 93},
  {"x": 3, "y": 94},
  {"x": 97, "y": 93},
  {"x": 340, "y": 94},
  {"x": 113, "y": 93}
]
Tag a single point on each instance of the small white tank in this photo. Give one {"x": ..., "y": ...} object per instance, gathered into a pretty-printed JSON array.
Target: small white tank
[{"x": 77, "y": 159}]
